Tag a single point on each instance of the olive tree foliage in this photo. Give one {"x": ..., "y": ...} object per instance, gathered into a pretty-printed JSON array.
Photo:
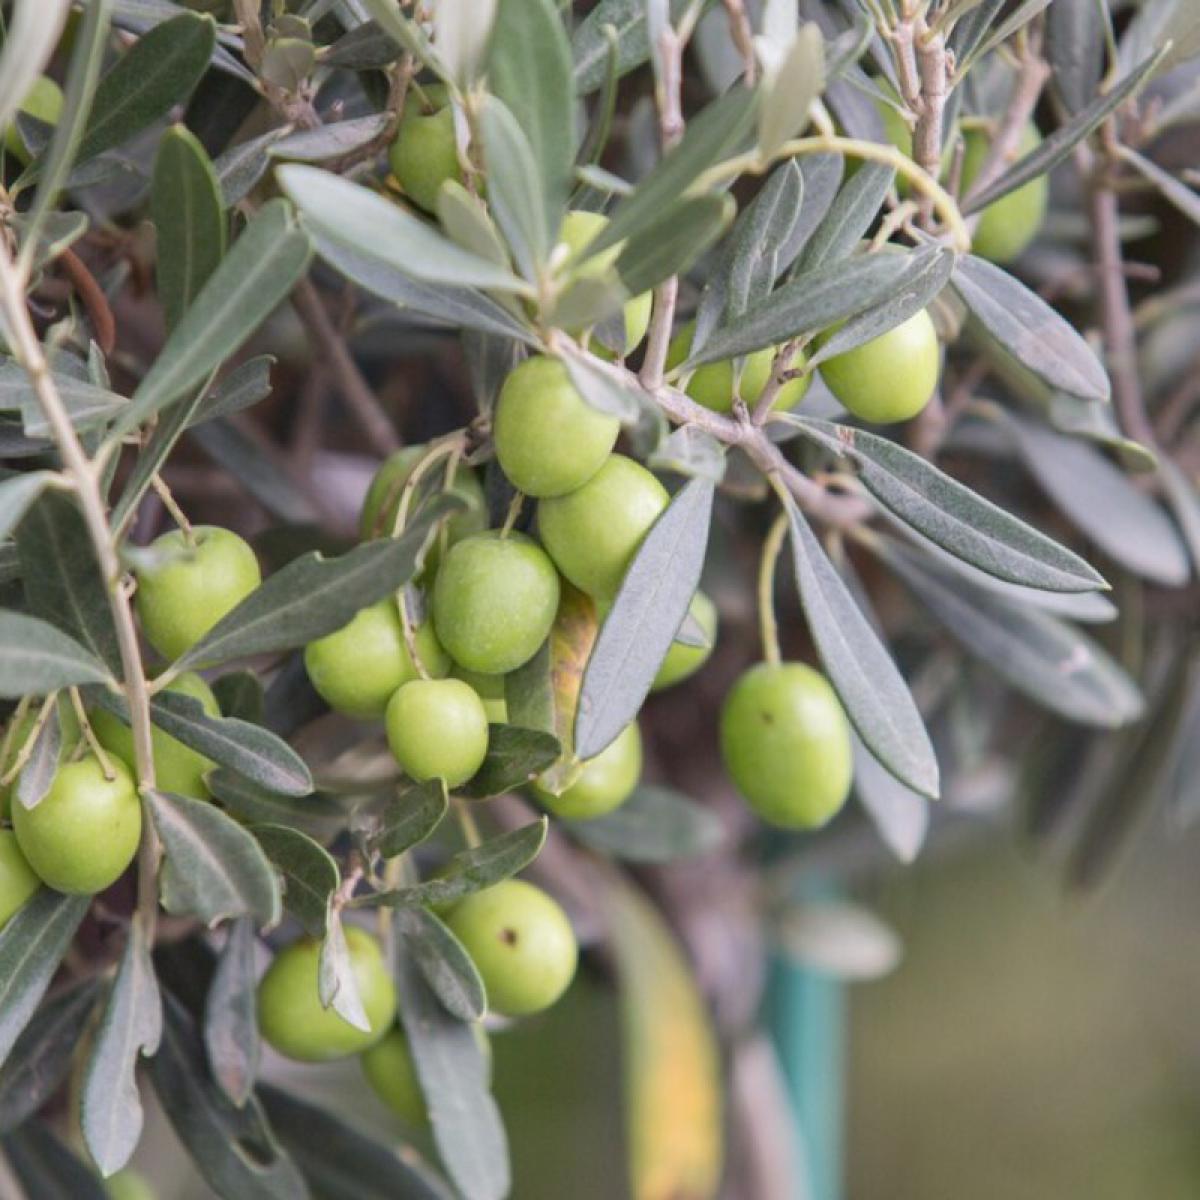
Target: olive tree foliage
[{"x": 740, "y": 154}]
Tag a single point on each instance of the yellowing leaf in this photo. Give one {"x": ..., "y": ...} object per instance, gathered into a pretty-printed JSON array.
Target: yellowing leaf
[{"x": 672, "y": 1074}]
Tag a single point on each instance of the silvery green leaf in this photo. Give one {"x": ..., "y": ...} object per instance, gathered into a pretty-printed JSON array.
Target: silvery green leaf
[
  {"x": 231, "y": 1015},
  {"x": 690, "y": 451},
  {"x": 1053, "y": 664},
  {"x": 672, "y": 243},
  {"x": 447, "y": 967},
  {"x": 850, "y": 216},
  {"x": 1075, "y": 44},
  {"x": 328, "y": 141},
  {"x": 37, "y": 775},
  {"x": 655, "y": 825},
  {"x": 791, "y": 89},
  {"x": 86, "y": 404},
  {"x": 900, "y": 815},
  {"x": 37, "y": 659},
  {"x": 1172, "y": 189},
  {"x": 337, "y": 985},
  {"x": 1029, "y": 329},
  {"x": 310, "y": 874},
  {"x": 863, "y": 674},
  {"x": 607, "y": 389},
  {"x": 589, "y": 45},
  {"x": 110, "y": 1107},
  {"x": 30, "y": 37},
  {"x": 649, "y": 608},
  {"x": 513, "y": 187},
  {"x": 461, "y": 29}
]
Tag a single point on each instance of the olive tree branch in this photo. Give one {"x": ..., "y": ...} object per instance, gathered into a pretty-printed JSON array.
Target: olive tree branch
[{"x": 27, "y": 350}]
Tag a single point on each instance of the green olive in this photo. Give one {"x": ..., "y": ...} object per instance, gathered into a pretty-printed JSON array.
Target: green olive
[
  {"x": 128, "y": 1185},
  {"x": 490, "y": 689},
  {"x": 578, "y": 229},
  {"x": 713, "y": 384},
  {"x": 17, "y": 734},
  {"x": 389, "y": 1069},
  {"x": 177, "y": 768},
  {"x": 383, "y": 497},
  {"x": 357, "y": 669},
  {"x": 18, "y": 880},
  {"x": 85, "y": 831},
  {"x": 494, "y": 601},
  {"x": 549, "y": 440},
  {"x": 1007, "y": 226},
  {"x": 605, "y": 783},
  {"x": 785, "y": 741},
  {"x": 183, "y": 597},
  {"x": 682, "y": 660},
  {"x": 424, "y": 154},
  {"x": 43, "y": 102},
  {"x": 437, "y": 729},
  {"x": 521, "y": 942},
  {"x": 593, "y": 533},
  {"x": 291, "y": 1016},
  {"x": 890, "y": 378}
]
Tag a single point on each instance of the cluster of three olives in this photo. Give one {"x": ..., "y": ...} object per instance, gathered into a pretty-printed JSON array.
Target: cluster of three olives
[
  {"x": 519, "y": 938},
  {"x": 84, "y": 832}
]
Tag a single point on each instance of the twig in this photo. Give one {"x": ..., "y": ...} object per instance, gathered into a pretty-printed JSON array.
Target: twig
[
  {"x": 94, "y": 300},
  {"x": 743, "y": 38},
  {"x": 1116, "y": 314},
  {"x": 27, "y": 349},
  {"x": 363, "y": 403}
]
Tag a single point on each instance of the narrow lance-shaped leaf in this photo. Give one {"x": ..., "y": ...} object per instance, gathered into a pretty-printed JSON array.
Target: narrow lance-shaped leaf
[
  {"x": 318, "y": 815},
  {"x": 808, "y": 303},
  {"x": 189, "y": 220},
  {"x": 38, "y": 773},
  {"x": 313, "y": 596},
  {"x": 61, "y": 577},
  {"x": 867, "y": 681},
  {"x": 214, "y": 869},
  {"x": 350, "y": 215},
  {"x": 159, "y": 71},
  {"x": 410, "y": 818},
  {"x": 529, "y": 69},
  {"x": 233, "y": 1148},
  {"x": 263, "y": 265},
  {"x": 850, "y": 216},
  {"x": 470, "y": 870},
  {"x": 950, "y": 514},
  {"x": 513, "y": 186},
  {"x": 48, "y": 1169},
  {"x": 231, "y": 1015},
  {"x": 1046, "y": 659},
  {"x": 670, "y": 244},
  {"x": 86, "y": 404},
  {"x": 339, "y": 1161},
  {"x": 42, "y": 1055},
  {"x": 655, "y": 825},
  {"x": 515, "y": 756},
  {"x": 900, "y": 815},
  {"x": 111, "y": 1109},
  {"x": 337, "y": 985},
  {"x": 31, "y": 947},
  {"x": 453, "y": 1074},
  {"x": 36, "y": 658},
  {"x": 930, "y": 270},
  {"x": 638, "y": 631},
  {"x": 1062, "y": 141},
  {"x": 445, "y": 964},
  {"x": 329, "y": 141},
  {"x": 28, "y": 44},
  {"x": 1025, "y": 325},
  {"x": 791, "y": 90},
  {"x": 17, "y": 494},
  {"x": 310, "y": 874},
  {"x": 590, "y": 44}
]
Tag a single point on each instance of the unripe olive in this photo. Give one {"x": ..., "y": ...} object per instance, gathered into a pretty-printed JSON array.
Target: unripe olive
[
  {"x": 18, "y": 880},
  {"x": 182, "y": 598},
  {"x": 593, "y": 533},
  {"x": 177, "y": 768},
  {"x": 578, "y": 229},
  {"x": 437, "y": 729},
  {"x": 425, "y": 151},
  {"x": 785, "y": 741},
  {"x": 17, "y": 735},
  {"x": 605, "y": 783},
  {"x": 389, "y": 1069},
  {"x": 85, "y": 831},
  {"x": 494, "y": 601},
  {"x": 383, "y": 497},
  {"x": 489, "y": 689},
  {"x": 683, "y": 661},
  {"x": 712, "y": 384},
  {"x": 521, "y": 942},
  {"x": 43, "y": 102},
  {"x": 357, "y": 669},
  {"x": 891, "y": 377},
  {"x": 1006, "y": 227},
  {"x": 549, "y": 440},
  {"x": 290, "y": 1014},
  {"x": 128, "y": 1185}
]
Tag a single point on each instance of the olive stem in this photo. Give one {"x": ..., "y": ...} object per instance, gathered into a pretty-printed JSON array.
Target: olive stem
[
  {"x": 768, "y": 625},
  {"x": 26, "y": 751},
  {"x": 467, "y": 822},
  {"x": 514, "y": 511},
  {"x": 172, "y": 507},
  {"x": 89, "y": 734},
  {"x": 27, "y": 350}
]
